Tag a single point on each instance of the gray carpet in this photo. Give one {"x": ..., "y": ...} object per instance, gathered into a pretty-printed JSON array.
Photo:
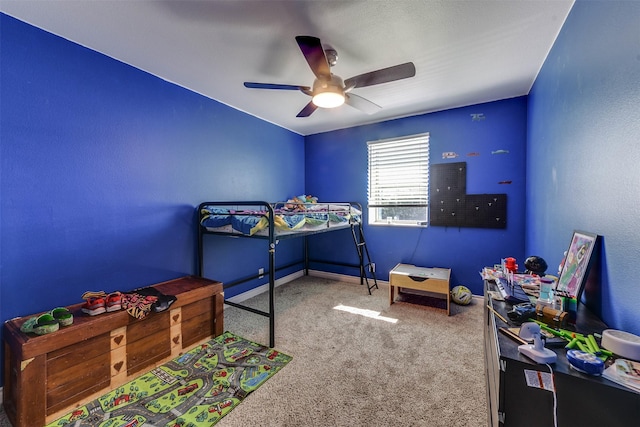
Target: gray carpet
[
  {"x": 4, "y": 422},
  {"x": 426, "y": 369}
]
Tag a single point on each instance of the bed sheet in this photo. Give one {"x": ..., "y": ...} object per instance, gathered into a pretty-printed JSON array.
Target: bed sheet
[{"x": 288, "y": 219}]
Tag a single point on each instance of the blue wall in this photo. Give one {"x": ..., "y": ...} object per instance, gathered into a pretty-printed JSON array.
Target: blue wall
[
  {"x": 337, "y": 170},
  {"x": 103, "y": 166},
  {"x": 583, "y": 152}
]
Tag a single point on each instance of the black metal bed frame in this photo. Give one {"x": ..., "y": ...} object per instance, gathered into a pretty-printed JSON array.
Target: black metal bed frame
[{"x": 364, "y": 265}]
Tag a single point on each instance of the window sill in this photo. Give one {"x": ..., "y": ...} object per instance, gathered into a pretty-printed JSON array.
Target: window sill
[{"x": 419, "y": 224}]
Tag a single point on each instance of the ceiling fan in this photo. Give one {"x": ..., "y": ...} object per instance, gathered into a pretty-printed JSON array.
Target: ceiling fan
[{"x": 329, "y": 90}]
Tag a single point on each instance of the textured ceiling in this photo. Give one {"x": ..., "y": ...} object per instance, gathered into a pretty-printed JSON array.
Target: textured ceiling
[{"x": 465, "y": 52}]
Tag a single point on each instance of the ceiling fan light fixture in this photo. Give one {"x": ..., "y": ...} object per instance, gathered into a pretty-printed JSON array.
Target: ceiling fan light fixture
[
  {"x": 329, "y": 90},
  {"x": 328, "y": 99},
  {"x": 328, "y": 93}
]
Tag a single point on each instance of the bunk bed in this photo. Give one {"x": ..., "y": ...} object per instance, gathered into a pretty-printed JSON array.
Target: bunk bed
[{"x": 271, "y": 222}]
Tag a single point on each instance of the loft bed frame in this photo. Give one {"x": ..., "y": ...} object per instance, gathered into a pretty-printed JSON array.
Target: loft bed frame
[{"x": 267, "y": 214}]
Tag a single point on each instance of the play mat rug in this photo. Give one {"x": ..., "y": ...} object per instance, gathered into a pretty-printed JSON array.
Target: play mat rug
[{"x": 193, "y": 390}]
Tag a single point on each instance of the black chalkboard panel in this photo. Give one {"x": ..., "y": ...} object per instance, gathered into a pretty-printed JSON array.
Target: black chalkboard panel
[
  {"x": 450, "y": 206},
  {"x": 486, "y": 210}
]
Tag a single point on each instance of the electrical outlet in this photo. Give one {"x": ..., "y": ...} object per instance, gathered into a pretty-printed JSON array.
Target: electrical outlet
[
  {"x": 260, "y": 273},
  {"x": 372, "y": 267}
]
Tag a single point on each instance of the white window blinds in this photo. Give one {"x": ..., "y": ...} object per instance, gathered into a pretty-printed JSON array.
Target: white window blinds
[{"x": 399, "y": 171}]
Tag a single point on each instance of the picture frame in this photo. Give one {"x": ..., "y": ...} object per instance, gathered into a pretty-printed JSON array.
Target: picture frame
[{"x": 575, "y": 267}]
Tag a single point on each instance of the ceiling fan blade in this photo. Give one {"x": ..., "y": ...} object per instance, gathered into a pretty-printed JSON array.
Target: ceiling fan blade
[
  {"x": 361, "y": 103},
  {"x": 397, "y": 72},
  {"x": 314, "y": 54},
  {"x": 307, "y": 110},
  {"x": 253, "y": 85}
]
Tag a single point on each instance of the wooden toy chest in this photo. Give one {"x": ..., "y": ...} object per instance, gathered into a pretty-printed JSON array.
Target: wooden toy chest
[{"x": 47, "y": 376}]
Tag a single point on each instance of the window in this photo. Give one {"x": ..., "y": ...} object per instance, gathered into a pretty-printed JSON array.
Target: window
[{"x": 399, "y": 180}]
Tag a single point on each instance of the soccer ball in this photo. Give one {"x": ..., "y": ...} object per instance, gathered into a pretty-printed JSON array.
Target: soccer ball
[{"x": 461, "y": 295}]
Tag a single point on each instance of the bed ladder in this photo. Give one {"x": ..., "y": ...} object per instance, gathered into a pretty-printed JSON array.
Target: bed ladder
[{"x": 367, "y": 270}]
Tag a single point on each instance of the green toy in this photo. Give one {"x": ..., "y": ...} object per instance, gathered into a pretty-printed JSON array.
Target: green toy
[{"x": 586, "y": 343}]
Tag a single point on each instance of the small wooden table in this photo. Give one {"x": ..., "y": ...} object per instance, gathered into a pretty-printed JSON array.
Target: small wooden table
[
  {"x": 432, "y": 280},
  {"x": 46, "y": 376}
]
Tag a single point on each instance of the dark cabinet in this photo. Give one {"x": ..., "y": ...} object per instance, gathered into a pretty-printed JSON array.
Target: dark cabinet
[{"x": 521, "y": 392}]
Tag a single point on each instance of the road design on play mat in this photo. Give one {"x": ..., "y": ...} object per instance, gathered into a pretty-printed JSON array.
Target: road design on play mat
[{"x": 195, "y": 389}]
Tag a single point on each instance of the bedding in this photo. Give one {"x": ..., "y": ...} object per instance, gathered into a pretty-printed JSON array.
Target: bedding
[{"x": 290, "y": 217}]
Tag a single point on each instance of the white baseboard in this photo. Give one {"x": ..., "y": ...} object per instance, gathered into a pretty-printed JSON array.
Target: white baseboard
[
  {"x": 341, "y": 277},
  {"x": 265, "y": 287},
  {"x": 286, "y": 279}
]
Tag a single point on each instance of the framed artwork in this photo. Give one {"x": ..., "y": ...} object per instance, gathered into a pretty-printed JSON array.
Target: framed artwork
[{"x": 576, "y": 264}]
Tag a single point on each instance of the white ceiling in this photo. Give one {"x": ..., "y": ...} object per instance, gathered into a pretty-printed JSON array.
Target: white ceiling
[{"x": 465, "y": 51}]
